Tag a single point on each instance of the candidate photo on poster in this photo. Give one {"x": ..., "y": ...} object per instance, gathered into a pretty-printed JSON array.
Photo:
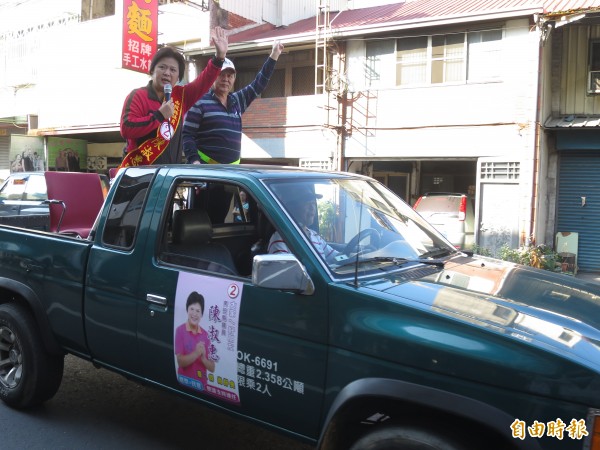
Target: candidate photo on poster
[{"x": 205, "y": 334}]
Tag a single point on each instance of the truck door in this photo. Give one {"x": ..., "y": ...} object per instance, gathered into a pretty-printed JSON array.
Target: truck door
[
  {"x": 257, "y": 352},
  {"x": 112, "y": 287}
]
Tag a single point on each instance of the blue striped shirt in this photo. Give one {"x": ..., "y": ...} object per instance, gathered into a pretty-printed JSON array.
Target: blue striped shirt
[{"x": 217, "y": 131}]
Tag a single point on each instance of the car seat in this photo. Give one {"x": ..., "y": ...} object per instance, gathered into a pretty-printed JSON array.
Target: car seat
[
  {"x": 192, "y": 233},
  {"x": 264, "y": 230},
  {"x": 75, "y": 200}
]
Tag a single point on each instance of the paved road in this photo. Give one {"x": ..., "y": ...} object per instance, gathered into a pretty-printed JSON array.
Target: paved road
[{"x": 96, "y": 409}]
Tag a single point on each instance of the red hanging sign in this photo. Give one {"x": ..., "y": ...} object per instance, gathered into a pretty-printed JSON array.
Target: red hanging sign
[{"x": 140, "y": 34}]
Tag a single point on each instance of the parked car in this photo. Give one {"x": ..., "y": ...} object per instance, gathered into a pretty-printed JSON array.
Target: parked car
[
  {"x": 23, "y": 193},
  {"x": 452, "y": 214}
]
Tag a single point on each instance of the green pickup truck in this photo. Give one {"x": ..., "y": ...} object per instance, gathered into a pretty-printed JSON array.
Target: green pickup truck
[{"x": 318, "y": 304}]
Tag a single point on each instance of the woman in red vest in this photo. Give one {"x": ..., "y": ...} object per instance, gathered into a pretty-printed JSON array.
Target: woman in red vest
[{"x": 151, "y": 125}]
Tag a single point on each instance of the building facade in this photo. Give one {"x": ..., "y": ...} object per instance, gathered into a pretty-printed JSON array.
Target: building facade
[
  {"x": 495, "y": 99},
  {"x": 571, "y": 124}
]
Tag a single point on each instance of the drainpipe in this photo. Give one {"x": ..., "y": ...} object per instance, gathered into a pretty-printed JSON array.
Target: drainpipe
[
  {"x": 342, "y": 127},
  {"x": 536, "y": 142}
]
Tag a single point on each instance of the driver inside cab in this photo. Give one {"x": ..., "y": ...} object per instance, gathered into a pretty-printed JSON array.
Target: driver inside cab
[{"x": 303, "y": 208}]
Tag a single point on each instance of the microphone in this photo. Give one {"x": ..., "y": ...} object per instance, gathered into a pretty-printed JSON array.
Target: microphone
[{"x": 167, "y": 90}]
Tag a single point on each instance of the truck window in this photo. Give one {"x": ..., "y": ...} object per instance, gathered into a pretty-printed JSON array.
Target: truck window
[
  {"x": 211, "y": 226},
  {"x": 126, "y": 207}
]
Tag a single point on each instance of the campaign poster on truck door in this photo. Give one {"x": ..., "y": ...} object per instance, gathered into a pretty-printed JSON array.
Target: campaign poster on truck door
[{"x": 206, "y": 334}]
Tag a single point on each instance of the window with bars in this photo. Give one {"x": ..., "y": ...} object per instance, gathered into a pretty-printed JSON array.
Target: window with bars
[
  {"x": 378, "y": 53},
  {"x": 303, "y": 80},
  {"x": 411, "y": 60},
  {"x": 500, "y": 171},
  {"x": 485, "y": 55},
  {"x": 276, "y": 86},
  {"x": 594, "y": 67},
  {"x": 294, "y": 74},
  {"x": 448, "y": 58}
]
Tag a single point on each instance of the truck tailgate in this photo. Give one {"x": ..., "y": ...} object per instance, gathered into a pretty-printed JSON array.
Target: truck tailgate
[{"x": 53, "y": 267}]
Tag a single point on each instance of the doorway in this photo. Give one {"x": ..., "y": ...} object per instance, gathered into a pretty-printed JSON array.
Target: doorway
[{"x": 397, "y": 182}]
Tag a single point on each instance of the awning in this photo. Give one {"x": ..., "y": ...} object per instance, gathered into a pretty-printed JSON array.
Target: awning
[
  {"x": 575, "y": 132},
  {"x": 573, "y": 121},
  {"x": 101, "y": 134}
]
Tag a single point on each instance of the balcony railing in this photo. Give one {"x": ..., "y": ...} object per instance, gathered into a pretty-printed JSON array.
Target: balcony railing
[{"x": 20, "y": 51}]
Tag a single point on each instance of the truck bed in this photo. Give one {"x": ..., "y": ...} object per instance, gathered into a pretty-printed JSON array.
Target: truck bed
[{"x": 49, "y": 270}]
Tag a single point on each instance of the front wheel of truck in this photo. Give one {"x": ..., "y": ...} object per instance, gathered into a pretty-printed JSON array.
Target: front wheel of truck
[
  {"x": 29, "y": 375},
  {"x": 405, "y": 438}
]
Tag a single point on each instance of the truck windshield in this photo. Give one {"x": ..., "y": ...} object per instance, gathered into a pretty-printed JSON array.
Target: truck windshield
[{"x": 355, "y": 219}]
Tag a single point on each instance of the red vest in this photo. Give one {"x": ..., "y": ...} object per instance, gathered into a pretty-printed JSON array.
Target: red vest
[{"x": 148, "y": 151}]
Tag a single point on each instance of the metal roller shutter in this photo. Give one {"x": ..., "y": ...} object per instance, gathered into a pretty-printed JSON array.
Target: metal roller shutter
[
  {"x": 579, "y": 204},
  {"x": 4, "y": 149}
]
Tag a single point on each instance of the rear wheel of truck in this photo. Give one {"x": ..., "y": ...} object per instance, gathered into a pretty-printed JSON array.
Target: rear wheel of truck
[
  {"x": 29, "y": 375},
  {"x": 405, "y": 438}
]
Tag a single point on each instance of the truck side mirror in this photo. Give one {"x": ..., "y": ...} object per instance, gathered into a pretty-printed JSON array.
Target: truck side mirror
[{"x": 283, "y": 272}]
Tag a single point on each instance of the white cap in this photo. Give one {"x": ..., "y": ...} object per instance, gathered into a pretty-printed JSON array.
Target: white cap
[{"x": 227, "y": 64}]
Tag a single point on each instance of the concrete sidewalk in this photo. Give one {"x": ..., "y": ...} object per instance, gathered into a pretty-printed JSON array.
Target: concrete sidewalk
[{"x": 589, "y": 276}]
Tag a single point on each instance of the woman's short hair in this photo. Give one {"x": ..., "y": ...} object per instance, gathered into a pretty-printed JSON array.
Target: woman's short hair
[
  {"x": 169, "y": 52},
  {"x": 195, "y": 297}
]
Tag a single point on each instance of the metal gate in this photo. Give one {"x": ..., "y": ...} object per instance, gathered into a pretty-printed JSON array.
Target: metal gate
[{"x": 578, "y": 206}]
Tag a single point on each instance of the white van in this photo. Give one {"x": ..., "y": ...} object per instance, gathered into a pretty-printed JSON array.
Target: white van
[{"x": 452, "y": 214}]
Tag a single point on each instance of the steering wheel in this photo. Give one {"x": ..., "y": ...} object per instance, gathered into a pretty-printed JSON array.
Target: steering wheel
[{"x": 353, "y": 247}]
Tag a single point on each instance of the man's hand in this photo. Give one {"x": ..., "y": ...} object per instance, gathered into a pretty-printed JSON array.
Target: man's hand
[
  {"x": 276, "y": 50},
  {"x": 220, "y": 41}
]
